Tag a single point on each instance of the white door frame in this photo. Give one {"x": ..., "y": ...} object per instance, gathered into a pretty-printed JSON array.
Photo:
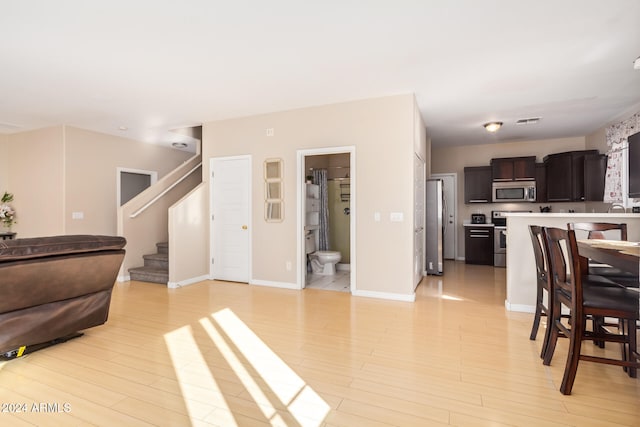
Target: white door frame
[
  {"x": 153, "y": 178},
  {"x": 454, "y": 175},
  {"x": 249, "y": 207},
  {"x": 301, "y": 190}
]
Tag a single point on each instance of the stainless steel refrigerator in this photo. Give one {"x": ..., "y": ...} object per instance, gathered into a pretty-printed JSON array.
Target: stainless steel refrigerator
[{"x": 434, "y": 212}]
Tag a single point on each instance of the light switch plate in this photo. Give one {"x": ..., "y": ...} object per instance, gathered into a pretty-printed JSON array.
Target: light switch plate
[{"x": 396, "y": 217}]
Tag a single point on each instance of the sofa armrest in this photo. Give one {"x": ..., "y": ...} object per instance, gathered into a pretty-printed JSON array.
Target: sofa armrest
[{"x": 38, "y": 247}]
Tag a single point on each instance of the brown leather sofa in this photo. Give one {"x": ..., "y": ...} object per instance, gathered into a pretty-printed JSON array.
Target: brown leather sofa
[{"x": 53, "y": 287}]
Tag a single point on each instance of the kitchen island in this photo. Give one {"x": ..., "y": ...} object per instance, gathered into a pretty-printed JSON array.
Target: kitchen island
[{"x": 521, "y": 270}]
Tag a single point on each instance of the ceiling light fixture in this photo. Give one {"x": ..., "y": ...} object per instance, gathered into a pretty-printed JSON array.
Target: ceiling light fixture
[
  {"x": 636, "y": 63},
  {"x": 179, "y": 145},
  {"x": 492, "y": 126}
]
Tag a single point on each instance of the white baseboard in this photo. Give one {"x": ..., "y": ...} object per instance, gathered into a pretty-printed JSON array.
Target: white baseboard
[
  {"x": 125, "y": 278},
  {"x": 283, "y": 285},
  {"x": 523, "y": 308},
  {"x": 343, "y": 267},
  {"x": 181, "y": 283},
  {"x": 385, "y": 295}
]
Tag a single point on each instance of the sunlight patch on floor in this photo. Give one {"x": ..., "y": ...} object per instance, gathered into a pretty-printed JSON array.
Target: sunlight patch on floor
[
  {"x": 304, "y": 404},
  {"x": 451, "y": 298},
  {"x": 188, "y": 360},
  {"x": 244, "y": 376}
]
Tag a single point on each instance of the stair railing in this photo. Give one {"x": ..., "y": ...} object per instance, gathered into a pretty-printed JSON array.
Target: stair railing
[
  {"x": 143, "y": 220},
  {"x": 165, "y": 191}
]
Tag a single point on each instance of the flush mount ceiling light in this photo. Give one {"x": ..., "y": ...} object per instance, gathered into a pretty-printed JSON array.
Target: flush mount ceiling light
[
  {"x": 492, "y": 126},
  {"x": 179, "y": 145},
  {"x": 636, "y": 63}
]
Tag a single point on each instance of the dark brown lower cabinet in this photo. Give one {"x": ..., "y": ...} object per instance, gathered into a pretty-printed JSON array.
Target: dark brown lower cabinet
[{"x": 478, "y": 245}]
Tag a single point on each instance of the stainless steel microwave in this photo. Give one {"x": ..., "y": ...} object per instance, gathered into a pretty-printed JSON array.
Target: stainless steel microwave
[{"x": 514, "y": 191}]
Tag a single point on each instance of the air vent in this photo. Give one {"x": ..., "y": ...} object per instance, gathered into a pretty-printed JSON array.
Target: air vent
[{"x": 529, "y": 121}]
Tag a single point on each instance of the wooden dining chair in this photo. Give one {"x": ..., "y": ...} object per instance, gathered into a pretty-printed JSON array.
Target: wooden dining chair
[
  {"x": 603, "y": 230},
  {"x": 582, "y": 302},
  {"x": 543, "y": 285}
]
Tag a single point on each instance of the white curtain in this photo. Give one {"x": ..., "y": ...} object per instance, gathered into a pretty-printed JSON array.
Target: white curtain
[{"x": 616, "y": 136}]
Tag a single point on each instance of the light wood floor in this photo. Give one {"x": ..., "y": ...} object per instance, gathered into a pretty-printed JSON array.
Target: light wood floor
[{"x": 236, "y": 355}]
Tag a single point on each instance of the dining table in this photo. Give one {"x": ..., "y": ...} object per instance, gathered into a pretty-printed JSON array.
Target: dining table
[{"x": 622, "y": 254}]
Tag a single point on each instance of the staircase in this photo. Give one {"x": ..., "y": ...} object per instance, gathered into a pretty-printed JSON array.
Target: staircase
[{"x": 156, "y": 266}]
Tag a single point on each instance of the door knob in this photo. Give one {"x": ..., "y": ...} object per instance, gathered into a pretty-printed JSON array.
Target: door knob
[{"x": 244, "y": 227}]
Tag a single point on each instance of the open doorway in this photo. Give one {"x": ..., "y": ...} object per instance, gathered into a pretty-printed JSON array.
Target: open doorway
[
  {"x": 326, "y": 224},
  {"x": 132, "y": 182}
]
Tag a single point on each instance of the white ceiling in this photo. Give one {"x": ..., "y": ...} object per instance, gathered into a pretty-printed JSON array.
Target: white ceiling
[{"x": 152, "y": 65}]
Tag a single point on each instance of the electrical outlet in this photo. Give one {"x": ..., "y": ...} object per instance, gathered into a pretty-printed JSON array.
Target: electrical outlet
[{"x": 270, "y": 132}]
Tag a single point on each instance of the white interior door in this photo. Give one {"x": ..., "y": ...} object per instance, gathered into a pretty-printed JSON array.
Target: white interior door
[
  {"x": 450, "y": 213},
  {"x": 230, "y": 208}
]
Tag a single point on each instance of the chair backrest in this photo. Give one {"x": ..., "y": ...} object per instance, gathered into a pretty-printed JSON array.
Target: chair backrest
[
  {"x": 596, "y": 229},
  {"x": 564, "y": 266},
  {"x": 541, "y": 255}
]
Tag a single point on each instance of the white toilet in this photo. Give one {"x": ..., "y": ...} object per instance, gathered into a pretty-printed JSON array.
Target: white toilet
[{"x": 322, "y": 262}]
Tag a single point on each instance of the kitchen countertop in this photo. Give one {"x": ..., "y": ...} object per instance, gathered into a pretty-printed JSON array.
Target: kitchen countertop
[
  {"x": 521, "y": 269},
  {"x": 572, "y": 214}
]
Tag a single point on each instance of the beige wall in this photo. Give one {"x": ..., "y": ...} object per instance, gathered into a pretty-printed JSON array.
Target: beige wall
[
  {"x": 188, "y": 245},
  {"x": 36, "y": 179},
  {"x": 56, "y": 171},
  {"x": 455, "y": 159},
  {"x": 382, "y": 132},
  {"x": 91, "y": 185},
  {"x": 597, "y": 140},
  {"x": 4, "y": 163}
]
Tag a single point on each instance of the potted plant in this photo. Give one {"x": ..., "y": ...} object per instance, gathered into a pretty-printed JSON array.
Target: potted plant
[{"x": 7, "y": 213}]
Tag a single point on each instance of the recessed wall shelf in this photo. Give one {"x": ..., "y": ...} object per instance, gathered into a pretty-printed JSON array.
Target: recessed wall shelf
[{"x": 273, "y": 191}]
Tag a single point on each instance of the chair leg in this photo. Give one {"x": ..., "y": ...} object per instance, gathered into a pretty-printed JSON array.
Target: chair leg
[
  {"x": 571, "y": 367},
  {"x": 626, "y": 346},
  {"x": 536, "y": 317},
  {"x": 547, "y": 337},
  {"x": 598, "y": 327},
  {"x": 630, "y": 326},
  {"x": 553, "y": 331}
]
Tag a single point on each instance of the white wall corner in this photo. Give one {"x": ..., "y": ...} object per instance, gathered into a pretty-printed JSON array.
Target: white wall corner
[{"x": 523, "y": 308}]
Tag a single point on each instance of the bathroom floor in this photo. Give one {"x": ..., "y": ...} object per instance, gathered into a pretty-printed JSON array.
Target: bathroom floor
[{"x": 338, "y": 282}]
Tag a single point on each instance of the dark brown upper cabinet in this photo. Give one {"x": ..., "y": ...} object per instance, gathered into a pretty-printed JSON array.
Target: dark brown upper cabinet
[
  {"x": 595, "y": 168},
  {"x": 477, "y": 184},
  {"x": 565, "y": 173},
  {"x": 513, "y": 168},
  {"x": 541, "y": 183}
]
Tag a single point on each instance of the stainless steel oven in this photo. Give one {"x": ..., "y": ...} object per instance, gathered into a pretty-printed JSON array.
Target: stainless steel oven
[
  {"x": 500, "y": 246},
  {"x": 499, "y": 221}
]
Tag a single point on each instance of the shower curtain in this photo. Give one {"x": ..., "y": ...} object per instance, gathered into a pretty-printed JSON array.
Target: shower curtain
[{"x": 320, "y": 178}]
